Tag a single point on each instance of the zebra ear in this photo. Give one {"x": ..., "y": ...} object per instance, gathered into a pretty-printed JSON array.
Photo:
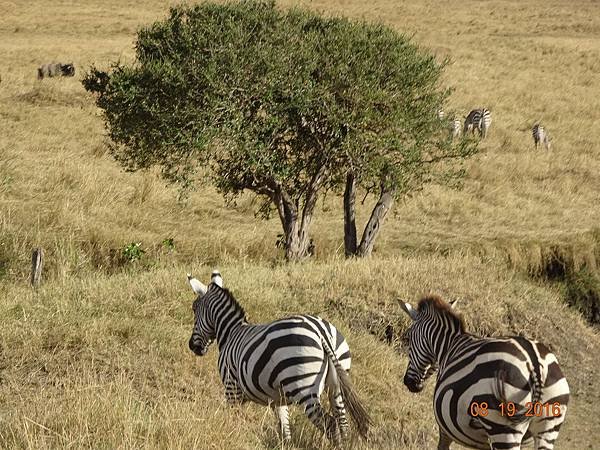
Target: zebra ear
[
  {"x": 198, "y": 287},
  {"x": 453, "y": 303},
  {"x": 216, "y": 278},
  {"x": 409, "y": 310}
]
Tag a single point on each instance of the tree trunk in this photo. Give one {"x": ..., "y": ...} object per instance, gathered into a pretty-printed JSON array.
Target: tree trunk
[
  {"x": 385, "y": 202},
  {"x": 297, "y": 243},
  {"x": 350, "y": 216},
  {"x": 296, "y": 235}
]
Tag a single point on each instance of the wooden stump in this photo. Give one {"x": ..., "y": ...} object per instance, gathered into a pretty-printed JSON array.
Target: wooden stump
[{"x": 37, "y": 261}]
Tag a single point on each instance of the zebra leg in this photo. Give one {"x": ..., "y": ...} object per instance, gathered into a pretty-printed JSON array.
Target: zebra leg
[
  {"x": 545, "y": 430},
  {"x": 233, "y": 392},
  {"x": 444, "y": 441},
  {"x": 283, "y": 415},
  {"x": 506, "y": 441},
  {"x": 322, "y": 420}
]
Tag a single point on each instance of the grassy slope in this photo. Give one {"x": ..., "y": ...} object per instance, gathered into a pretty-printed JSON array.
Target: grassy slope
[{"x": 101, "y": 361}]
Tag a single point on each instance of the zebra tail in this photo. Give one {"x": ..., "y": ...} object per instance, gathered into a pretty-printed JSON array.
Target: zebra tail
[
  {"x": 535, "y": 385},
  {"x": 354, "y": 406},
  {"x": 357, "y": 411}
]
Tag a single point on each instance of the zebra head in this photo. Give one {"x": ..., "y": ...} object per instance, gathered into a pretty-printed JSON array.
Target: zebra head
[
  {"x": 422, "y": 358},
  {"x": 204, "y": 332}
]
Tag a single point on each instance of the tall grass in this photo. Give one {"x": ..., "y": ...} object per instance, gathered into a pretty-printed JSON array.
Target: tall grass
[{"x": 97, "y": 358}]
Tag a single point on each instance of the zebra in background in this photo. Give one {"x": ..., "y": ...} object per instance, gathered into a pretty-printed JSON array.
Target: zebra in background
[
  {"x": 480, "y": 120},
  {"x": 540, "y": 135},
  {"x": 454, "y": 125},
  {"x": 456, "y": 128},
  {"x": 491, "y": 392},
  {"x": 290, "y": 360}
]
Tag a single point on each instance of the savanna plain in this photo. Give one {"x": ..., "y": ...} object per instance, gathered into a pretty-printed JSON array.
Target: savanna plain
[{"x": 97, "y": 357}]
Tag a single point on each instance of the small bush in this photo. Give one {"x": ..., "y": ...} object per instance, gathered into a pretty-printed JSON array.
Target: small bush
[{"x": 133, "y": 252}]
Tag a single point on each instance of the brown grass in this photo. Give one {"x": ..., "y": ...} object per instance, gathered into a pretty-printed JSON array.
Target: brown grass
[{"x": 97, "y": 357}]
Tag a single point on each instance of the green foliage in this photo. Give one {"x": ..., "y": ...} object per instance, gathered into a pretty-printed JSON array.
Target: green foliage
[
  {"x": 133, "y": 252},
  {"x": 280, "y": 102},
  {"x": 169, "y": 244},
  {"x": 582, "y": 291}
]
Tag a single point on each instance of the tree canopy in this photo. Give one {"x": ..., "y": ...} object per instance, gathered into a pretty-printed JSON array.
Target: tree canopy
[{"x": 284, "y": 103}]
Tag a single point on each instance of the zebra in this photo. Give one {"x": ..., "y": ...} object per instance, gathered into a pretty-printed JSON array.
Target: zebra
[
  {"x": 441, "y": 114},
  {"x": 291, "y": 360},
  {"x": 480, "y": 378},
  {"x": 480, "y": 120},
  {"x": 456, "y": 128},
  {"x": 540, "y": 135}
]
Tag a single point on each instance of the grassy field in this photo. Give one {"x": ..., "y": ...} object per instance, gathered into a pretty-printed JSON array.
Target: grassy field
[{"x": 97, "y": 357}]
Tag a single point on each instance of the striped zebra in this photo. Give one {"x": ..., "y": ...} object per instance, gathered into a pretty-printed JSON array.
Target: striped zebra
[
  {"x": 456, "y": 128},
  {"x": 494, "y": 393},
  {"x": 480, "y": 120},
  {"x": 287, "y": 361},
  {"x": 540, "y": 135}
]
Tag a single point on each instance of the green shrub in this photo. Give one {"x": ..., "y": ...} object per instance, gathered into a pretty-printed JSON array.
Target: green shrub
[{"x": 133, "y": 252}]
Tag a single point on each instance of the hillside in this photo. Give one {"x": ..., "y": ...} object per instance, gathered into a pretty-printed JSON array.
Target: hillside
[{"x": 98, "y": 356}]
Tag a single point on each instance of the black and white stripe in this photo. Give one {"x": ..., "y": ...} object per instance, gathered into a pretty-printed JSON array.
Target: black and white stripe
[
  {"x": 540, "y": 136},
  {"x": 287, "y": 361},
  {"x": 480, "y": 120},
  {"x": 456, "y": 128},
  {"x": 475, "y": 370}
]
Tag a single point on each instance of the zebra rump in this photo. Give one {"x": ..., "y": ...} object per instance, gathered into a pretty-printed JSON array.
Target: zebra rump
[
  {"x": 480, "y": 120},
  {"x": 486, "y": 387},
  {"x": 290, "y": 360}
]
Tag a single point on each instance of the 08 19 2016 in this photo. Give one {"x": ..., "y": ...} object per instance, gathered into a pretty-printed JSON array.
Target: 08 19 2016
[{"x": 509, "y": 409}]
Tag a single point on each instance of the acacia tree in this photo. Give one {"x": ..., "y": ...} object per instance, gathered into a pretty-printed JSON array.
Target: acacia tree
[{"x": 285, "y": 104}]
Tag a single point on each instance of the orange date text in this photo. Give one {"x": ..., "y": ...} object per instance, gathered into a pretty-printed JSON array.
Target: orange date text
[{"x": 510, "y": 409}]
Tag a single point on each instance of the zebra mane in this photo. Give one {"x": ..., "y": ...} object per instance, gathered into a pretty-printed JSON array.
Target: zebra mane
[
  {"x": 436, "y": 303},
  {"x": 233, "y": 300}
]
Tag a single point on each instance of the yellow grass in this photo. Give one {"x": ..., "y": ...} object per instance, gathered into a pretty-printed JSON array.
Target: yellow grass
[{"x": 98, "y": 358}]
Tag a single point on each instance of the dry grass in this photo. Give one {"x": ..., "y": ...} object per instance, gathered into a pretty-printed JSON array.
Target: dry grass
[
  {"x": 97, "y": 357},
  {"x": 103, "y": 361}
]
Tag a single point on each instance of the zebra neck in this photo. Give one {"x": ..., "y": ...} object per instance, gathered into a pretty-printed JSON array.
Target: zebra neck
[
  {"x": 446, "y": 345},
  {"x": 455, "y": 345},
  {"x": 227, "y": 325}
]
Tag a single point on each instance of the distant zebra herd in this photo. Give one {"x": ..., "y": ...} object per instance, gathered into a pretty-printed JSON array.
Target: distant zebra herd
[
  {"x": 497, "y": 393},
  {"x": 480, "y": 120}
]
